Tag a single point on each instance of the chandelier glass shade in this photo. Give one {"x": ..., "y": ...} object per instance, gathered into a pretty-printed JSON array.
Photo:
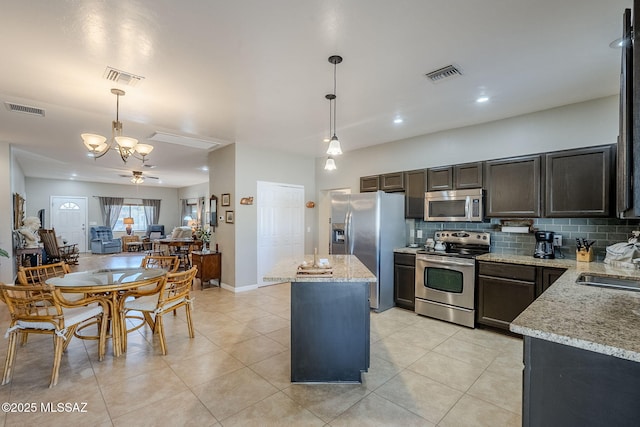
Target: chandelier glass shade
[{"x": 124, "y": 145}]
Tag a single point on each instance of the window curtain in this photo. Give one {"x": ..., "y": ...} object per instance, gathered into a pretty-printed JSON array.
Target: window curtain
[
  {"x": 151, "y": 210},
  {"x": 110, "y": 208},
  {"x": 185, "y": 211},
  {"x": 201, "y": 210}
]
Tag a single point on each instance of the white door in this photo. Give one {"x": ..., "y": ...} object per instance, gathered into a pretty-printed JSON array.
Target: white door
[
  {"x": 69, "y": 218},
  {"x": 280, "y": 225}
]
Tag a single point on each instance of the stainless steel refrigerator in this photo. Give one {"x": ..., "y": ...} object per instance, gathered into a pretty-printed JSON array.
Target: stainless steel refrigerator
[{"x": 370, "y": 226}]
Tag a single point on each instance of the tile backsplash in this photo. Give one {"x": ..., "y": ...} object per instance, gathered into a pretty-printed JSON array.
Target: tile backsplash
[{"x": 605, "y": 232}]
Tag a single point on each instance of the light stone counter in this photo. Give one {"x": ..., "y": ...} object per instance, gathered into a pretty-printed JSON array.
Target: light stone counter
[
  {"x": 408, "y": 250},
  {"x": 602, "y": 320},
  {"x": 346, "y": 268}
]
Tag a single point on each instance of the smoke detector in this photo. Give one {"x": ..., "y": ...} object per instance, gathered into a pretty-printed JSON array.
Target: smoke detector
[{"x": 444, "y": 73}]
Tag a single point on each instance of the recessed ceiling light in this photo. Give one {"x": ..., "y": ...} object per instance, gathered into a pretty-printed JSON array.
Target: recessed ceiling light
[
  {"x": 482, "y": 99},
  {"x": 205, "y": 168},
  {"x": 398, "y": 120},
  {"x": 326, "y": 140}
]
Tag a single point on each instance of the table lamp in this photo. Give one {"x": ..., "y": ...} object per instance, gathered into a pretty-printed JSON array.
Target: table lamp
[{"x": 129, "y": 222}]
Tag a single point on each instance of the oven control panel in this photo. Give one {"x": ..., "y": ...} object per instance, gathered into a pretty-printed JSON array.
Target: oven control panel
[{"x": 463, "y": 237}]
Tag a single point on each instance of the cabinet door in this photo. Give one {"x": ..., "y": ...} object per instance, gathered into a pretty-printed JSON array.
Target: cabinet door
[
  {"x": 415, "y": 185},
  {"x": 468, "y": 175},
  {"x": 369, "y": 183},
  {"x": 548, "y": 276},
  {"x": 404, "y": 278},
  {"x": 513, "y": 187},
  {"x": 440, "y": 178},
  {"x": 579, "y": 183},
  {"x": 502, "y": 300},
  {"x": 392, "y": 182}
]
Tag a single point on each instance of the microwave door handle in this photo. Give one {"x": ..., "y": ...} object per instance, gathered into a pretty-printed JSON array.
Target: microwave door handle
[{"x": 467, "y": 207}]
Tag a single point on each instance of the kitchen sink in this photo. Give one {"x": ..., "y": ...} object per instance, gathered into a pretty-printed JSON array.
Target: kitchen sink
[{"x": 609, "y": 282}]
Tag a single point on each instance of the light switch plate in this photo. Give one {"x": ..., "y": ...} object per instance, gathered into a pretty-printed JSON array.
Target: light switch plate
[{"x": 419, "y": 234}]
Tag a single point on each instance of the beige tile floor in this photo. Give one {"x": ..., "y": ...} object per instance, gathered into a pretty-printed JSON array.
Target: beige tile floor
[{"x": 236, "y": 372}]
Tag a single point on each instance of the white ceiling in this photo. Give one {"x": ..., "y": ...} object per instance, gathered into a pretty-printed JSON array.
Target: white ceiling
[{"x": 256, "y": 72}]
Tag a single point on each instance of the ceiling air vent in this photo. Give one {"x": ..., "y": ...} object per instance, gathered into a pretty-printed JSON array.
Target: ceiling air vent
[
  {"x": 17, "y": 108},
  {"x": 444, "y": 73},
  {"x": 122, "y": 77}
]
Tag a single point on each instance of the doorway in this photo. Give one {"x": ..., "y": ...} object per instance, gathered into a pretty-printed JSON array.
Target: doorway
[
  {"x": 324, "y": 218},
  {"x": 69, "y": 218},
  {"x": 280, "y": 227}
]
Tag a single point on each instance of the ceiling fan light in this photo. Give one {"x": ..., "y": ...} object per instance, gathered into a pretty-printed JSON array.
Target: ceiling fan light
[
  {"x": 330, "y": 164},
  {"x": 126, "y": 142},
  {"x": 144, "y": 149},
  {"x": 137, "y": 179},
  {"x": 334, "y": 147}
]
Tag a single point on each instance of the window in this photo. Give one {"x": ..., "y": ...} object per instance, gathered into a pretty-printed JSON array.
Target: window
[{"x": 137, "y": 213}]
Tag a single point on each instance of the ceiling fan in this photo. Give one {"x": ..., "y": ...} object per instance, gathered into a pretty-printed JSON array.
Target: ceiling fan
[{"x": 137, "y": 177}]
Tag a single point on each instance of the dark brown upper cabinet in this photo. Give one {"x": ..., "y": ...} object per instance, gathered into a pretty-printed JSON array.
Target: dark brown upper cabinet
[
  {"x": 369, "y": 183},
  {"x": 579, "y": 182},
  {"x": 468, "y": 175},
  {"x": 513, "y": 187},
  {"x": 391, "y": 182},
  {"x": 440, "y": 178},
  {"x": 415, "y": 185}
]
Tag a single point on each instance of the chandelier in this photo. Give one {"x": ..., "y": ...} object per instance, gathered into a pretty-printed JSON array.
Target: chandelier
[
  {"x": 124, "y": 145},
  {"x": 334, "y": 144}
]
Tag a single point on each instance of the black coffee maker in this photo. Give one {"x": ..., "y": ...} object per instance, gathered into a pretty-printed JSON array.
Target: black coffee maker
[{"x": 544, "y": 245}]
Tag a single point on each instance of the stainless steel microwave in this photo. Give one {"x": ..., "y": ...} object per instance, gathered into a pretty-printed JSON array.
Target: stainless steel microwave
[{"x": 454, "y": 205}]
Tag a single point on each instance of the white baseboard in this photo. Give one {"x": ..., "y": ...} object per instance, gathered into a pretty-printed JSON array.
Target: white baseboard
[{"x": 240, "y": 289}]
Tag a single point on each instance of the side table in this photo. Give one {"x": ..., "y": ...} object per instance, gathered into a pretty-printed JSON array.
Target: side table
[
  {"x": 209, "y": 265},
  {"x": 22, "y": 254}
]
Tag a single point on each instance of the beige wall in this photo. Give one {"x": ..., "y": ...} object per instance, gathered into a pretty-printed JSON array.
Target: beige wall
[
  {"x": 578, "y": 125},
  {"x": 236, "y": 169},
  {"x": 222, "y": 178},
  {"x": 6, "y": 213},
  {"x": 40, "y": 190}
]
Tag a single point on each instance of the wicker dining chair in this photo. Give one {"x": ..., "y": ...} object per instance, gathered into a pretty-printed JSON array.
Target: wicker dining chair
[
  {"x": 169, "y": 263},
  {"x": 39, "y": 274},
  {"x": 168, "y": 296},
  {"x": 43, "y": 309}
]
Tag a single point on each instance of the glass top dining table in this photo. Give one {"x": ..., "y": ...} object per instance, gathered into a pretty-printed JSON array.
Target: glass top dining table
[{"x": 111, "y": 283}]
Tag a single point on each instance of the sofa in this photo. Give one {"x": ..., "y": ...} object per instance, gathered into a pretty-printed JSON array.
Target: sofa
[{"x": 102, "y": 241}]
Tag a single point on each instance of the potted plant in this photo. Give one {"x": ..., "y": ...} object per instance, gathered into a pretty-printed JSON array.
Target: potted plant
[{"x": 4, "y": 253}]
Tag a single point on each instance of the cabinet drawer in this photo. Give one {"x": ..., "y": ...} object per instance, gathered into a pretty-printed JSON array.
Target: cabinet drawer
[
  {"x": 508, "y": 271},
  {"x": 404, "y": 259}
]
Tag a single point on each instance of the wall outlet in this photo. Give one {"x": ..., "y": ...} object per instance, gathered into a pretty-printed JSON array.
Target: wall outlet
[
  {"x": 557, "y": 240},
  {"x": 419, "y": 234}
]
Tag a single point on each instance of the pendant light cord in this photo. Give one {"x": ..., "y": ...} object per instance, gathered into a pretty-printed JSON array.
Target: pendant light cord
[{"x": 335, "y": 104}]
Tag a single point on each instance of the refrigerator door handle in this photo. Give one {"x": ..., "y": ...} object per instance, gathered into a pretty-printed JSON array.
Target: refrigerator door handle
[{"x": 349, "y": 233}]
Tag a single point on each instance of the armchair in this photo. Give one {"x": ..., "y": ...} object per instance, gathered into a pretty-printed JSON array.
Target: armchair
[
  {"x": 155, "y": 231},
  {"x": 102, "y": 241}
]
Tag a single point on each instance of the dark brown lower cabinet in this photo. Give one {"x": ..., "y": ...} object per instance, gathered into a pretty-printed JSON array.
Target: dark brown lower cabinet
[
  {"x": 404, "y": 279},
  {"x": 505, "y": 290}
]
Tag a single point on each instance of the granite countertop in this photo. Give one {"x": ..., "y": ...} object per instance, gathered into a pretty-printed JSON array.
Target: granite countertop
[
  {"x": 603, "y": 320},
  {"x": 346, "y": 268},
  {"x": 408, "y": 250}
]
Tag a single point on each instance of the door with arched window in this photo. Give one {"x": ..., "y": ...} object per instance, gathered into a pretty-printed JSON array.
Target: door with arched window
[{"x": 69, "y": 218}]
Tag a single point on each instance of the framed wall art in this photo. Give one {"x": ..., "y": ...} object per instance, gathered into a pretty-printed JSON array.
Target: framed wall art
[
  {"x": 226, "y": 199},
  {"x": 229, "y": 217}
]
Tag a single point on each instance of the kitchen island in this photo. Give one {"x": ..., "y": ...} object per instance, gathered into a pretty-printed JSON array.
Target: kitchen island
[
  {"x": 581, "y": 349},
  {"x": 329, "y": 319}
]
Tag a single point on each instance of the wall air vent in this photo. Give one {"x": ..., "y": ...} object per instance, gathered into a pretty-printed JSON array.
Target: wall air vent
[
  {"x": 17, "y": 108},
  {"x": 122, "y": 77},
  {"x": 444, "y": 73}
]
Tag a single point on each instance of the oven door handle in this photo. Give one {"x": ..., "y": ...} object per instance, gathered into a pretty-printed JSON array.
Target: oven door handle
[{"x": 448, "y": 262}]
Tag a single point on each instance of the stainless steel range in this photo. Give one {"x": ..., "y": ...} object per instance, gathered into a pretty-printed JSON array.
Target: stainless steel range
[{"x": 445, "y": 279}]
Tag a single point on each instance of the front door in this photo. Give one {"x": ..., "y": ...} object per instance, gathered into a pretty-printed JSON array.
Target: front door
[{"x": 69, "y": 219}]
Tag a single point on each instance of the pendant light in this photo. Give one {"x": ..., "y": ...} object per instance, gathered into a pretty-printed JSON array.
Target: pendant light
[
  {"x": 330, "y": 164},
  {"x": 334, "y": 144}
]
